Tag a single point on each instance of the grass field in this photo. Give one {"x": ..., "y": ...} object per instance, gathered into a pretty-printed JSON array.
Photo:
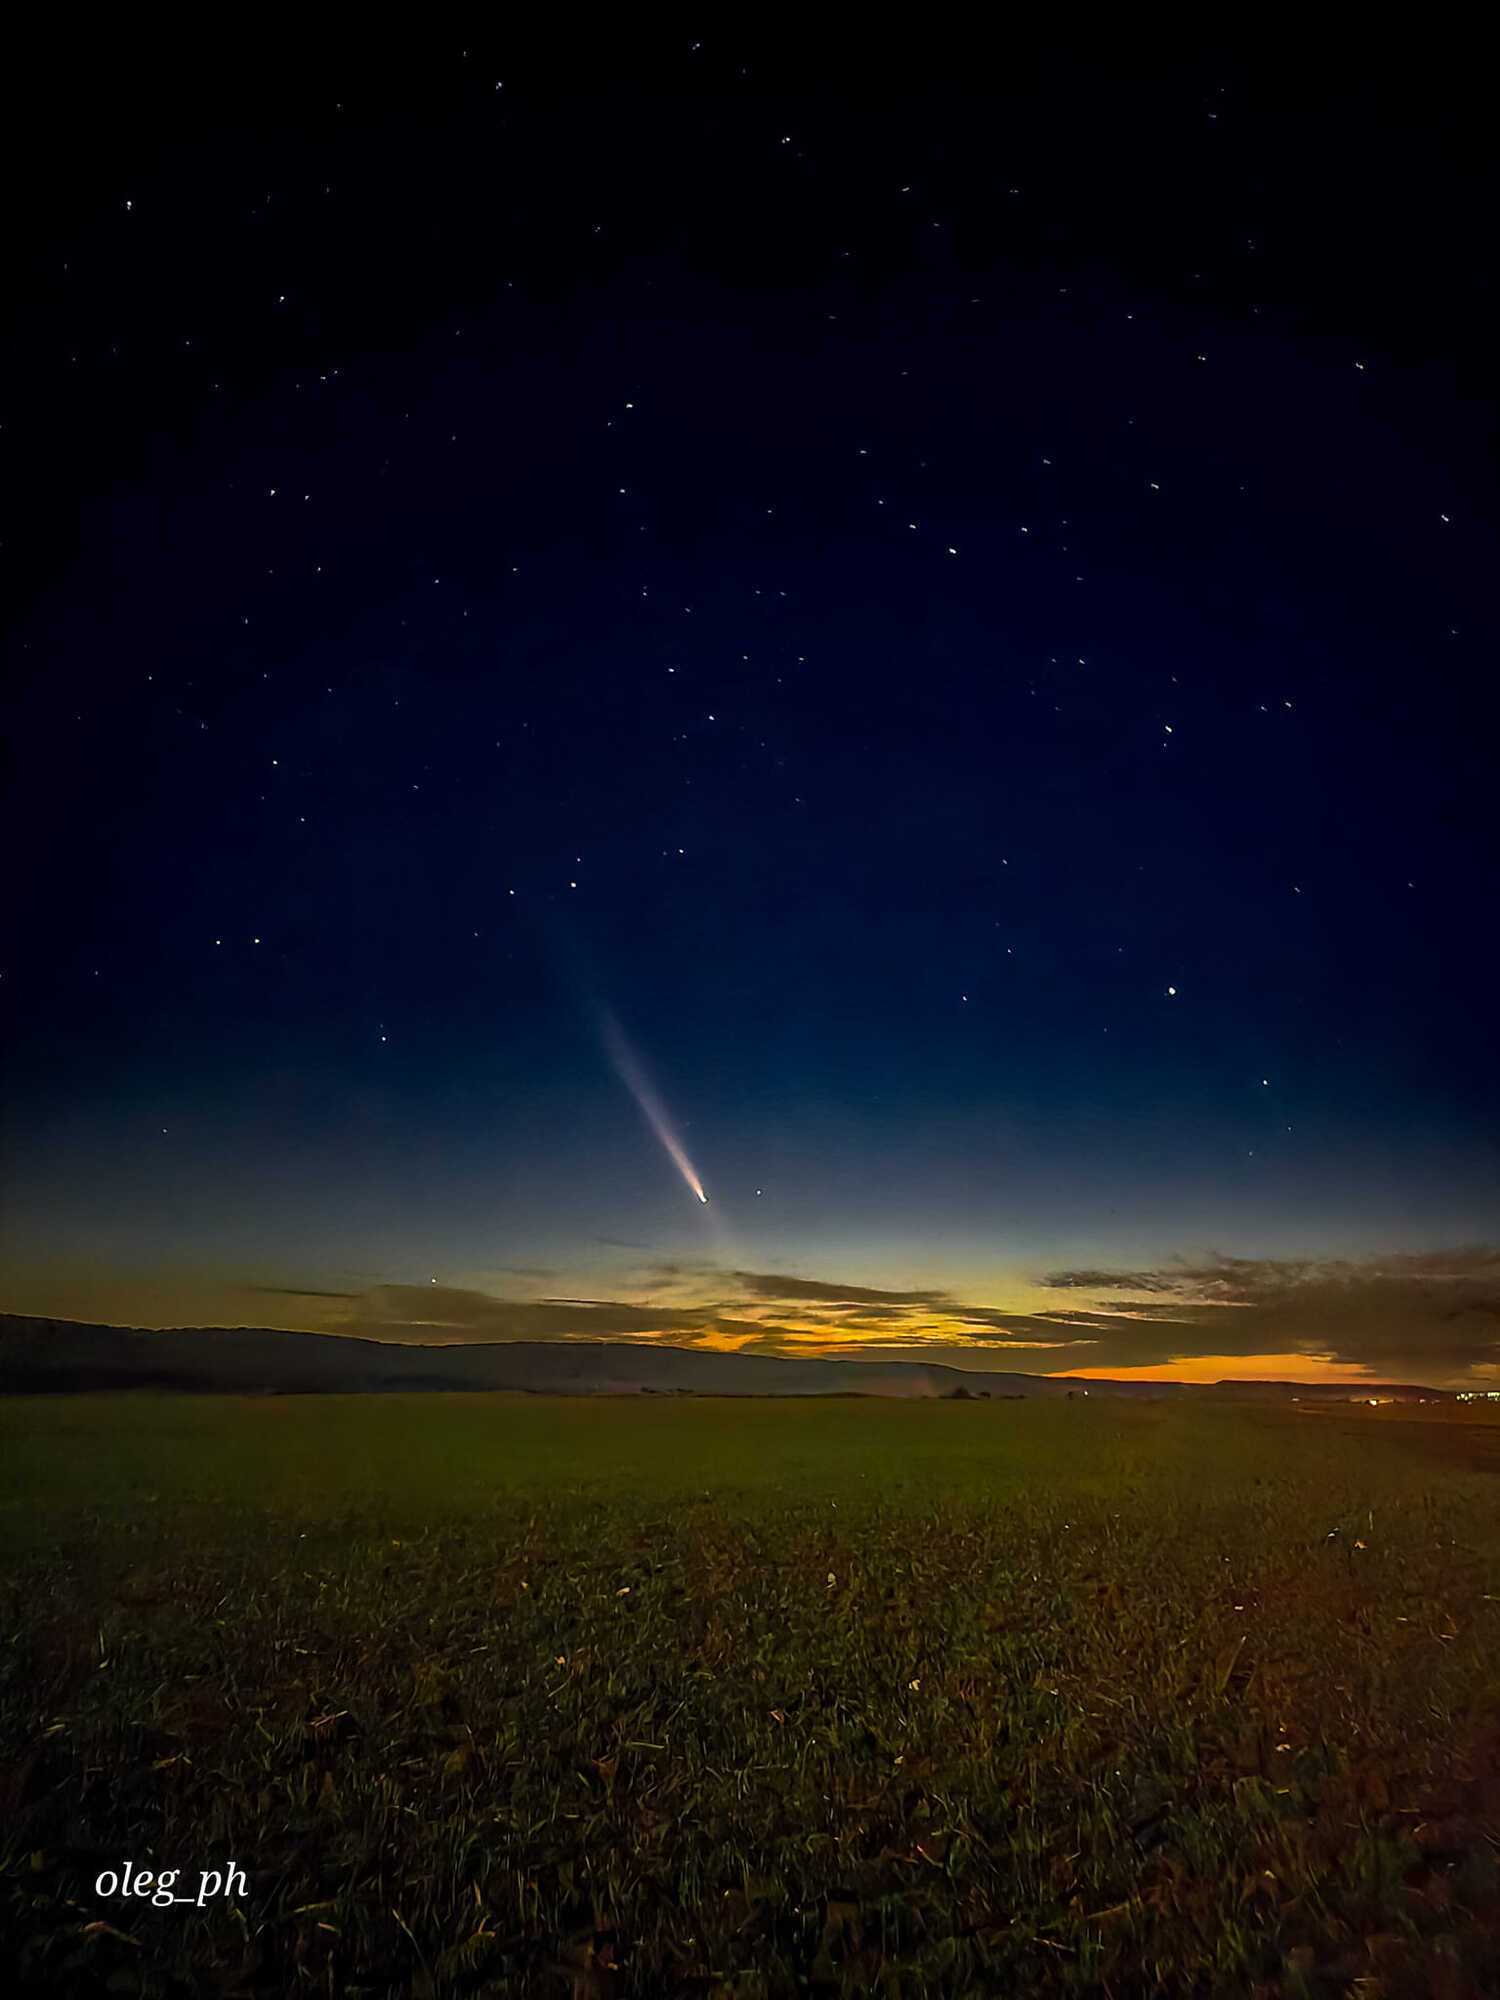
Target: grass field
[{"x": 655, "y": 1696}]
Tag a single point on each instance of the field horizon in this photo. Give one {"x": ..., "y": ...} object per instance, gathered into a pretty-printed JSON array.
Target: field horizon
[{"x": 74, "y": 1356}]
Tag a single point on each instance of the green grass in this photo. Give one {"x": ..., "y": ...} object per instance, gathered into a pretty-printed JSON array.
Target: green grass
[{"x": 519, "y": 1696}]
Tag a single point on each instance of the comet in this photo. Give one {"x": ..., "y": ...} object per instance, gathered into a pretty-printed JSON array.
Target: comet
[{"x": 633, "y": 1076}]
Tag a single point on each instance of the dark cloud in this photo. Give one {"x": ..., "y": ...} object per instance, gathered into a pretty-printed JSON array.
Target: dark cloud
[
  {"x": 295, "y": 1292},
  {"x": 567, "y": 1300},
  {"x": 1109, "y": 1281},
  {"x": 1431, "y": 1315},
  {"x": 992, "y": 1319},
  {"x": 848, "y": 1318},
  {"x": 751, "y": 1333},
  {"x": 445, "y": 1313},
  {"x": 1218, "y": 1279},
  {"x": 772, "y": 1285}
]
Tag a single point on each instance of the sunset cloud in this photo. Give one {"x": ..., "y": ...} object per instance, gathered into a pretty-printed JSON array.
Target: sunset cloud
[
  {"x": 770, "y": 1285},
  {"x": 1429, "y": 1316}
]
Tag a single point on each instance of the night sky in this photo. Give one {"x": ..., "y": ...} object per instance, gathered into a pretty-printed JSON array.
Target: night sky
[{"x": 909, "y": 633}]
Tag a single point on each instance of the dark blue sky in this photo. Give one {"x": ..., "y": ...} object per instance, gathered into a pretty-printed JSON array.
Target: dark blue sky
[{"x": 872, "y": 576}]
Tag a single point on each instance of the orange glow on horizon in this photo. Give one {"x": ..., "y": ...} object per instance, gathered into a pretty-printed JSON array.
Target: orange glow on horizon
[{"x": 1307, "y": 1368}]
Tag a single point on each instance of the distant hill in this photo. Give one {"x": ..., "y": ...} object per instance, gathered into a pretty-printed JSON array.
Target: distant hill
[
  {"x": 1330, "y": 1392},
  {"x": 57, "y": 1356}
]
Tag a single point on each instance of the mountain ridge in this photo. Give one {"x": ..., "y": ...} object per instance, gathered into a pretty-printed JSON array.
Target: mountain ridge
[{"x": 44, "y": 1355}]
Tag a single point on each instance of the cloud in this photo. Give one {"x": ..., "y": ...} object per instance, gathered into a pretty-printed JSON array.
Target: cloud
[
  {"x": 440, "y": 1315},
  {"x": 295, "y": 1292},
  {"x": 1432, "y": 1315},
  {"x": 1426, "y": 1317},
  {"x": 1110, "y": 1281},
  {"x": 772, "y": 1285},
  {"x": 565, "y": 1300},
  {"x": 446, "y": 1313},
  {"x": 1251, "y": 1280}
]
